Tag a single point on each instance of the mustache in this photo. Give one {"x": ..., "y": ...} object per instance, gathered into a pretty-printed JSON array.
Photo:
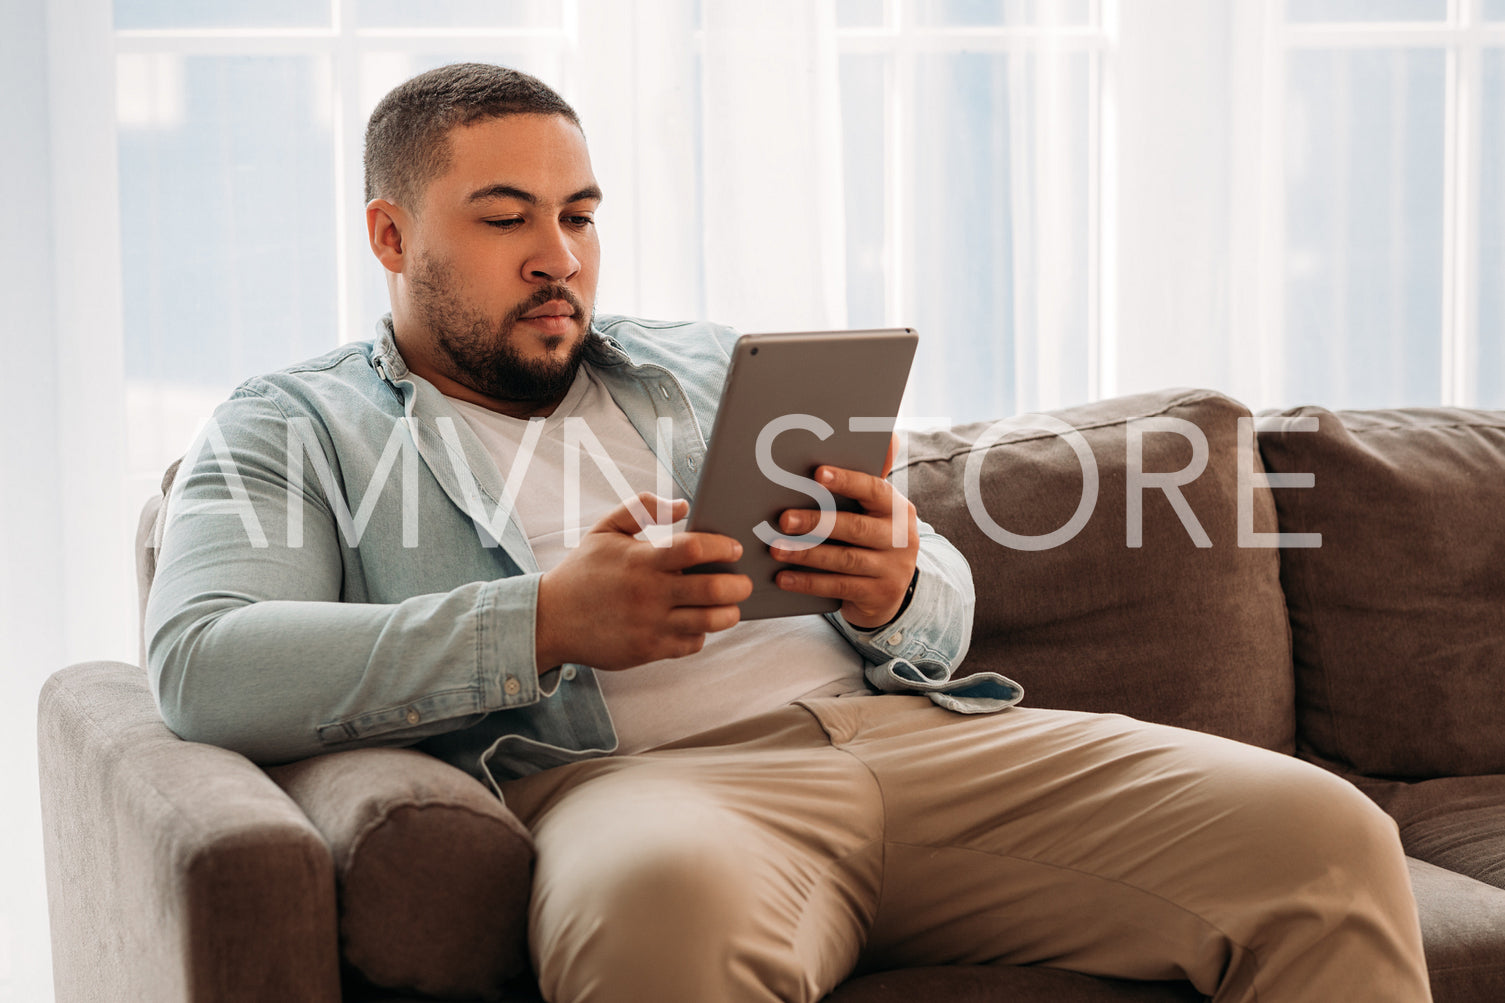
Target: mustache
[{"x": 542, "y": 295}]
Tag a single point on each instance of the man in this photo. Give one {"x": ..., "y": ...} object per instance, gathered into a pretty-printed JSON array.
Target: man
[{"x": 722, "y": 811}]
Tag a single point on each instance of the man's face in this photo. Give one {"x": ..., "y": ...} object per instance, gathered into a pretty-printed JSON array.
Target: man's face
[{"x": 504, "y": 259}]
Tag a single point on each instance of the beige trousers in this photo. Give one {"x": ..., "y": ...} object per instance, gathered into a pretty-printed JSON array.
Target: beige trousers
[{"x": 770, "y": 859}]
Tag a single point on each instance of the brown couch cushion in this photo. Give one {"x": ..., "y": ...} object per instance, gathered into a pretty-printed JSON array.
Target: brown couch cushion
[
  {"x": 1399, "y": 617},
  {"x": 1453, "y": 822},
  {"x": 986, "y": 984},
  {"x": 1463, "y": 934},
  {"x": 1167, "y": 631},
  {"x": 434, "y": 873}
]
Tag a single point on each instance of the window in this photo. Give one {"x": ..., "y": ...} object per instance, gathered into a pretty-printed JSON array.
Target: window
[
  {"x": 973, "y": 148},
  {"x": 1395, "y": 200},
  {"x": 1289, "y": 200},
  {"x": 239, "y": 131}
]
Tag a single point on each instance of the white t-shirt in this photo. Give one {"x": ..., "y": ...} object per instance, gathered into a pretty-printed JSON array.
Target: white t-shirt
[{"x": 756, "y": 666}]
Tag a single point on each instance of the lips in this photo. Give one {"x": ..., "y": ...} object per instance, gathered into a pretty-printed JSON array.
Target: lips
[{"x": 553, "y": 308}]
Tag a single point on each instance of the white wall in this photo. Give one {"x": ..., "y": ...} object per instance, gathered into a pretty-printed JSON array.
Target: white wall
[{"x": 31, "y": 578}]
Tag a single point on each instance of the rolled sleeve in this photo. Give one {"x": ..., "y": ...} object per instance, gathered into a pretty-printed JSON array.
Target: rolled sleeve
[{"x": 921, "y": 649}]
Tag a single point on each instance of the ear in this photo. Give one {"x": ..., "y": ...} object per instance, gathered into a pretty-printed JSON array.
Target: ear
[{"x": 385, "y": 223}]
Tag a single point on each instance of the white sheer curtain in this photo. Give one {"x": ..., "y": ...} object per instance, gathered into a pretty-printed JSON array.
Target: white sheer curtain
[
  {"x": 1197, "y": 293},
  {"x": 775, "y": 254},
  {"x": 716, "y": 131},
  {"x": 1051, "y": 194},
  {"x": 66, "y": 585}
]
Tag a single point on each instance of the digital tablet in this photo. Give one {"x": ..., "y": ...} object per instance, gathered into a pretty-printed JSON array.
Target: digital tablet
[{"x": 787, "y": 407}]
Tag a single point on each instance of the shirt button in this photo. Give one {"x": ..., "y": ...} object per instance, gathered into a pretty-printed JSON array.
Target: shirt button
[
  {"x": 413, "y": 715},
  {"x": 896, "y": 637},
  {"x": 568, "y": 672},
  {"x": 512, "y": 687}
]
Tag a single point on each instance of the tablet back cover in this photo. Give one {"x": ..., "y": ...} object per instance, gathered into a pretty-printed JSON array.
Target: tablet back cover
[{"x": 792, "y": 397}]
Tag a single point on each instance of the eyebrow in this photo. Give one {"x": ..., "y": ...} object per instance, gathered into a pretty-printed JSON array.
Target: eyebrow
[{"x": 504, "y": 191}]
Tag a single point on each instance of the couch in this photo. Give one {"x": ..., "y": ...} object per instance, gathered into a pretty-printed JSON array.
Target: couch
[{"x": 1122, "y": 565}]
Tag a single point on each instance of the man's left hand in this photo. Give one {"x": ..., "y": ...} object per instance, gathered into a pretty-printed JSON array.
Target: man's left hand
[{"x": 860, "y": 565}]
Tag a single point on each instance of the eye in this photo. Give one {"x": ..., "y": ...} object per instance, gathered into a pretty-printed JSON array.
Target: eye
[
  {"x": 580, "y": 222},
  {"x": 504, "y": 224}
]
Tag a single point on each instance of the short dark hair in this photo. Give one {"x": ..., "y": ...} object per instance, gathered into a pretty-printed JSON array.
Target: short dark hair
[{"x": 407, "y": 143}]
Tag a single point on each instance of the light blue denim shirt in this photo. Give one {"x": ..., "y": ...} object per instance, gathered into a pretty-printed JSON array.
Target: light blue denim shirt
[{"x": 336, "y": 571}]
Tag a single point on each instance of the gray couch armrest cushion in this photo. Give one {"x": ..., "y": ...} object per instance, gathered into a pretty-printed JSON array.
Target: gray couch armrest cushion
[
  {"x": 175, "y": 871},
  {"x": 434, "y": 872}
]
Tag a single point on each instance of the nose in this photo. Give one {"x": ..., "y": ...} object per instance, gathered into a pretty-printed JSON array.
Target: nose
[{"x": 553, "y": 258}]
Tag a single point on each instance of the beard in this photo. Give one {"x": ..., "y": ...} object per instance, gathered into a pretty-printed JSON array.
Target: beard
[{"x": 482, "y": 353}]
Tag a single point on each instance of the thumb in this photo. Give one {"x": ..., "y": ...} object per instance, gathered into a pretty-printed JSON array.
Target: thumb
[{"x": 641, "y": 511}]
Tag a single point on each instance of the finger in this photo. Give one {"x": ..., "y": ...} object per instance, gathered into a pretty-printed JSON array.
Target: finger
[
  {"x": 849, "y": 588},
  {"x": 709, "y": 590},
  {"x": 652, "y": 510},
  {"x": 856, "y": 528},
  {"x": 692, "y": 620},
  {"x": 690, "y": 549},
  {"x": 673, "y": 644},
  {"x": 841, "y": 559},
  {"x": 873, "y": 493}
]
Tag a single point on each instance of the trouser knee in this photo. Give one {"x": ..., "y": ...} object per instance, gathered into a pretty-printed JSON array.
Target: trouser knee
[
  {"x": 1332, "y": 854},
  {"x": 675, "y": 922},
  {"x": 1325, "y": 819}
]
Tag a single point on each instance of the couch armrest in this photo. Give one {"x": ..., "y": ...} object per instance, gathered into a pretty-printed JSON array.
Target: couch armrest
[
  {"x": 175, "y": 871},
  {"x": 434, "y": 872}
]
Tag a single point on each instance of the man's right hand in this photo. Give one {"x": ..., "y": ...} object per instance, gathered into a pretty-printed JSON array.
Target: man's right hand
[{"x": 616, "y": 601}]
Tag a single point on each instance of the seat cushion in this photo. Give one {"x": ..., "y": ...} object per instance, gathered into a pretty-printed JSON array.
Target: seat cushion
[
  {"x": 982, "y": 984},
  {"x": 1465, "y": 835},
  {"x": 433, "y": 872},
  {"x": 1453, "y": 822},
  {"x": 1463, "y": 934},
  {"x": 1398, "y": 617},
  {"x": 1159, "y": 627}
]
